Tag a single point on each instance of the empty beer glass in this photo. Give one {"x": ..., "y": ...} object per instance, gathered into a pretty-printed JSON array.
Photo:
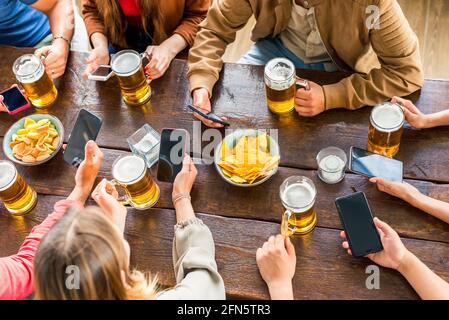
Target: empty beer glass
[
  {"x": 17, "y": 196},
  {"x": 385, "y": 130},
  {"x": 38, "y": 86},
  {"x": 127, "y": 66},
  {"x": 298, "y": 198}
]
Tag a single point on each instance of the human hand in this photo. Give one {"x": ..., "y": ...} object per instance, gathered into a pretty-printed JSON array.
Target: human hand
[
  {"x": 309, "y": 103},
  {"x": 201, "y": 101},
  {"x": 413, "y": 115},
  {"x": 160, "y": 58},
  {"x": 88, "y": 170},
  {"x": 98, "y": 56},
  {"x": 186, "y": 177},
  {"x": 394, "y": 252},
  {"x": 55, "y": 57},
  {"x": 401, "y": 190},
  {"x": 2, "y": 105},
  {"x": 277, "y": 264},
  {"x": 106, "y": 196}
]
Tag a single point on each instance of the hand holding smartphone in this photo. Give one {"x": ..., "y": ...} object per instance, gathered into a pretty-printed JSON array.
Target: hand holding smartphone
[
  {"x": 208, "y": 115},
  {"x": 171, "y": 153},
  {"x": 87, "y": 127},
  {"x": 357, "y": 220},
  {"x": 14, "y": 101},
  {"x": 103, "y": 73}
]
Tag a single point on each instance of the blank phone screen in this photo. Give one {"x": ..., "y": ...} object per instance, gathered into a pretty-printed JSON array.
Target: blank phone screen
[
  {"x": 102, "y": 71},
  {"x": 358, "y": 223},
  {"x": 87, "y": 127},
  {"x": 374, "y": 165},
  {"x": 171, "y": 154},
  {"x": 13, "y": 99}
]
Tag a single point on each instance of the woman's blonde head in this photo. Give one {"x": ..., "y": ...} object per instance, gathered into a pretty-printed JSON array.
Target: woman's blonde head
[{"x": 84, "y": 257}]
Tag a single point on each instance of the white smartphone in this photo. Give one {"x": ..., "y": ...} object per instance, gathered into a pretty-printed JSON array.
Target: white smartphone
[{"x": 103, "y": 73}]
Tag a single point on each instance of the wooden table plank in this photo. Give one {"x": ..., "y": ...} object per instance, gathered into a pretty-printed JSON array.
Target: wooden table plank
[
  {"x": 240, "y": 95},
  {"x": 214, "y": 196},
  {"x": 322, "y": 268}
]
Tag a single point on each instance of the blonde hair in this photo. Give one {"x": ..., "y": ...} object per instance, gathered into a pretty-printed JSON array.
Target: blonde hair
[{"x": 86, "y": 239}]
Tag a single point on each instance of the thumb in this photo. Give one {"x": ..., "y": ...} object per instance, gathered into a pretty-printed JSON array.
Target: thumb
[
  {"x": 89, "y": 151},
  {"x": 384, "y": 227},
  {"x": 289, "y": 247},
  {"x": 186, "y": 162}
]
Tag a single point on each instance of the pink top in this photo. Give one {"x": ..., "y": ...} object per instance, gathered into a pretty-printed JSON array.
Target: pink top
[{"x": 16, "y": 271}]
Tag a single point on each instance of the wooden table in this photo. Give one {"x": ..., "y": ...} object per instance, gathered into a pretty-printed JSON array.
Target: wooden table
[{"x": 242, "y": 219}]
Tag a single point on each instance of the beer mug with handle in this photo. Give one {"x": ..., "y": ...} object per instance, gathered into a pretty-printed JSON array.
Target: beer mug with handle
[
  {"x": 298, "y": 198},
  {"x": 127, "y": 66},
  {"x": 131, "y": 174},
  {"x": 281, "y": 84},
  {"x": 38, "y": 86},
  {"x": 17, "y": 196}
]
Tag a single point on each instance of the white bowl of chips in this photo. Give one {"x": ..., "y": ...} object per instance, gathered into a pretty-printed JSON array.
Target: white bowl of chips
[
  {"x": 34, "y": 139},
  {"x": 247, "y": 157}
]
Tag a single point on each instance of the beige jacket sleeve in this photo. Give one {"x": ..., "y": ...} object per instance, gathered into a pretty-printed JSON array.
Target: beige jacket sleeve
[
  {"x": 400, "y": 74},
  {"x": 215, "y": 33},
  {"x": 196, "y": 271}
]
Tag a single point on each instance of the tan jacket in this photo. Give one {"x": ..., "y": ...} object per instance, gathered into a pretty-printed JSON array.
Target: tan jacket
[{"x": 386, "y": 61}]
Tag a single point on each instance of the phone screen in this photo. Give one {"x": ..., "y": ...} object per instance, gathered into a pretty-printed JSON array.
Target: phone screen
[
  {"x": 87, "y": 127},
  {"x": 102, "y": 71},
  {"x": 374, "y": 165},
  {"x": 357, "y": 220},
  {"x": 13, "y": 99},
  {"x": 171, "y": 154}
]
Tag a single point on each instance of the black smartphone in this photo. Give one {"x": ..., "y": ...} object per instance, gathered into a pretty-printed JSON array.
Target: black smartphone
[
  {"x": 87, "y": 127},
  {"x": 14, "y": 100},
  {"x": 209, "y": 116},
  {"x": 374, "y": 165},
  {"x": 103, "y": 73},
  {"x": 357, "y": 219},
  {"x": 171, "y": 153}
]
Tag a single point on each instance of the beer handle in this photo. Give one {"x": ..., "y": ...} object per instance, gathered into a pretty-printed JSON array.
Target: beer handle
[
  {"x": 124, "y": 200},
  {"x": 302, "y": 84},
  {"x": 285, "y": 230}
]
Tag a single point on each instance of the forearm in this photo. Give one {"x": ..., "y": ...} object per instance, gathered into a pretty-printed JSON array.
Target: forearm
[
  {"x": 438, "y": 209},
  {"x": 426, "y": 283},
  {"x": 184, "y": 210},
  {"x": 437, "y": 119},
  {"x": 283, "y": 291},
  {"x": 99, "y": 40},
  {"x": 79, "y": 194},
  {"x": 61, "y": 18},
  {"x": 175, "y": 44}
]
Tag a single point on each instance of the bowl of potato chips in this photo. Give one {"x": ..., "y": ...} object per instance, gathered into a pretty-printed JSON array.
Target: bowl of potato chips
[
  {"x": 247, "y": 158},
  {"x": 34, "y": 139}
]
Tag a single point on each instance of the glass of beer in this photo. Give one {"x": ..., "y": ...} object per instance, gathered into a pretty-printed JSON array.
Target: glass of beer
[
  {"x": 385, "y": 130},
  {"x": 38, "y": 86},
  {"x": 281, "y": 84},
  {"x": 298, "y": 198},
  {"x": 127, "y": 66},
  {"x": 17, "y": 196},
  {"x": 130, "y": 173}
]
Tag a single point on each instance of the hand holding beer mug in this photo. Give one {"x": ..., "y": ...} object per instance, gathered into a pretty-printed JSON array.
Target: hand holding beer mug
[
  {"x": 385, "y": 130},
  {"x": 127, "y": 66},
  {"x": 281, "y": 84},
  {"x": 298, "y": 198},
  {"x": 131, "y": 174},
  {"x": 17, "y": 196},
  {"x": 38, "y": 86}
]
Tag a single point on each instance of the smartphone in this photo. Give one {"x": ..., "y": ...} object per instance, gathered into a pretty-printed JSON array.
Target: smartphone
[
  {"x": 87, "y": 127},
  {"x": 357, "y": 220},
  {"x": 171, "y": 153},
  {"x": 374, "y": 165},
  {"x": 209, "y": 116},
  {"x": 14, "y": 100},
  {"x": 103, "y": 73}
]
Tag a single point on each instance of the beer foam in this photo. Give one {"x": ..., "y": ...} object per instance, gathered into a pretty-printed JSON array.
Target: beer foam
[
  {"x": 28, "y": 68},
  {"x": 387, "y": 117},
  {"x": 299, "y": 195},
  {"x": 7, "y": 174},
  {"x": 126, "y": 63},
  {"x": 128, "y": 169}
]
